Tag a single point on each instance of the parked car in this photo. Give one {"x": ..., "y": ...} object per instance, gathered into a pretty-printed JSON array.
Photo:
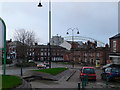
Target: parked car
[
  {"x": 89, "y": 71},
  {"x": 30, "y": 61},
  {"x": 46, "y": 63},
  {"x": 41, "y": 65},
  {"x": 111, "y": 73}
]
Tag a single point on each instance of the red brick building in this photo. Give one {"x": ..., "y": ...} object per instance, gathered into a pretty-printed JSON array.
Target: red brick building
[
  {"x": 41, "y": 53},
  {"x": 88, "y": 53},
  {"x": 114, "y": 55}
]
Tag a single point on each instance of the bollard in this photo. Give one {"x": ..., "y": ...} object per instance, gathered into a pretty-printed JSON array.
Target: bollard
[
  {"x": 78, "y": 86},
  {"x": 87, "y": 79},
  {"x": 107, "y": 79},
  {"x": 83, "y": 82}
]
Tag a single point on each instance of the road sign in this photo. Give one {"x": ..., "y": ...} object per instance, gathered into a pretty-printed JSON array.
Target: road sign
[
  {"x": 3, "y": 42},
  {"x": 1, "y": 34}
]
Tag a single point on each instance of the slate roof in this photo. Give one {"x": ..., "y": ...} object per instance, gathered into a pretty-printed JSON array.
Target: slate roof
[{"x": 116, "y": 36}]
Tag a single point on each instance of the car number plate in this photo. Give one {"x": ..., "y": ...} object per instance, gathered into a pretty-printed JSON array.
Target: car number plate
[{"x": 117, "y": 77}]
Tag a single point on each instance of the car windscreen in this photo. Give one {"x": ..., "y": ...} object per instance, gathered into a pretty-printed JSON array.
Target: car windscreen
[
  {"x": 116, "y": 70},
  {"x": 88, "y": 71}
]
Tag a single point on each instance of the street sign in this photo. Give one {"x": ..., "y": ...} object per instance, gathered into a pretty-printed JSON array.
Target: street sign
[
  {"x": 1, "y": 34},
  {"x": 3, "y": 42}
]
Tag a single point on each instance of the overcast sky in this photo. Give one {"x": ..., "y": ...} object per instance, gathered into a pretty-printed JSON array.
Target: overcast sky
[{"x": 98, "y": 20}]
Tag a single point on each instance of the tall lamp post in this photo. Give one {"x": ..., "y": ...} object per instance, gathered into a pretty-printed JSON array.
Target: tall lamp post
[
  {"x": 72, "y": 29},
  {"x": 40, "y": 5}
]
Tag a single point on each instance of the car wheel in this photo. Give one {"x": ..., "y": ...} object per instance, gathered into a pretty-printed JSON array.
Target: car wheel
[{"x": 102, "y": 77}]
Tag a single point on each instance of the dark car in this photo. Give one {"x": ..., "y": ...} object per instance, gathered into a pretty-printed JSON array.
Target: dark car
[
  {"x": 89, "y": 71},
  {"x": 111, "y": 73}
]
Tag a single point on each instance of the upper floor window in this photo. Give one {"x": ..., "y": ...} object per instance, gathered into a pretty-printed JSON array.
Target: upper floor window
[
  {"x": 45, "y": 53},
  {"x": 41, "y": 49},
  {"x": 45, "y": 49},
  {"x": 85, "y": 54},
  {"x": 33, "y": 53},
  {"x": 114, "y": 46},
  {"x": 41, "y": 53},
  {"x": 33, "y": 49},
  {"x": 98, "y": 54}
]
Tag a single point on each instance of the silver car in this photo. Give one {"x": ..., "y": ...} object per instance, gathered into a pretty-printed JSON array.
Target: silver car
[{"x": 41, "y": 66}]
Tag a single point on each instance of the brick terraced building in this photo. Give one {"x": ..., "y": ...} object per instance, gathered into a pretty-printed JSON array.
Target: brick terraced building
[
  {"x": 115, "y": 49},
  {"x": 88, "y": 54}
]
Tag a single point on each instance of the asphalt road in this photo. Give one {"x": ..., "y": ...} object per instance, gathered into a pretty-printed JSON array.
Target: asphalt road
[{"x": 71, "y": 83}]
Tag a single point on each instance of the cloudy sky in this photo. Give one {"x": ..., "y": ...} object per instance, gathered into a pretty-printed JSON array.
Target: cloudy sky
[{"x": 98, "y": 20}]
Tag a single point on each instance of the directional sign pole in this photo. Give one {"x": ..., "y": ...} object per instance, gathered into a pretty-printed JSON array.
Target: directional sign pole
[{"x": 3, "y": 26}]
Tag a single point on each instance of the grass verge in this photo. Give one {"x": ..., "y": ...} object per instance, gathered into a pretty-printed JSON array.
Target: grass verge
[
  {"x": 9, "y": 81},
  {"x": 52, "y": 71}
]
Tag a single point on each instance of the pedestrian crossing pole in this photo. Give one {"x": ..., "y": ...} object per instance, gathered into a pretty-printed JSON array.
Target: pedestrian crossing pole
[{"x": 3, "y": 34}]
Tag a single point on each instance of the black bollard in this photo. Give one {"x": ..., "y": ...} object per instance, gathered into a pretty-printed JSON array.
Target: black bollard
[{"x": 78, "y": 86}]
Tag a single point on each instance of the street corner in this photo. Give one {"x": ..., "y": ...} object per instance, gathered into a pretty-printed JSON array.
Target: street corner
[{"x": 24, "y": 85}]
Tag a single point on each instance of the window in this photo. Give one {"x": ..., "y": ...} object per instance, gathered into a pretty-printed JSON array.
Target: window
[
  {"x": 41, "y": 49},
  {"x": 116, "y": 70},
  {"x": 33, "y": 53},
  {"x": 30, "y": 54},
  {"x": 41, "y": 53},
  {"x": 114, "y": 46},
  {"x": 48, "y": 53},
  {"x": 45, "y": 53},
  {"x": 85, "y": 54},
  {"x": 27, "y": 53},
  {"x": 45, "y": 49},
  {"x": 89, "y": 71},
  {"x": 108, "y": 70},
  {"x": 98, "y": 54}
]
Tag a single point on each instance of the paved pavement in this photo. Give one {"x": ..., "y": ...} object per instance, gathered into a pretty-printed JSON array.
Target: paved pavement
[
  {"x": 102, "y": 83},
  {"x": 62, "y": 76},
  {"x": 25, "y": 85},
  {"x": 72, "y": 75}
]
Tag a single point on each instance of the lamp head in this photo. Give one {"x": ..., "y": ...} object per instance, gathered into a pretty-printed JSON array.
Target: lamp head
[
  {"x": 78, "y": 32},
  {"x": 39, "y": 5}
]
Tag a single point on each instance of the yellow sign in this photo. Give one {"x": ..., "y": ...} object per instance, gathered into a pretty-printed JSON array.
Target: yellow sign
[{"x": 97, "y": 63}]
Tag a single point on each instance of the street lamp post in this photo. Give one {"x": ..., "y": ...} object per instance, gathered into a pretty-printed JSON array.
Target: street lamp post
[
  {"x": 40, "y": 5},
  {"x": 72, "y": 29}
]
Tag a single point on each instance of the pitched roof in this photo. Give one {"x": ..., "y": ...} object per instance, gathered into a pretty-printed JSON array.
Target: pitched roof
[{"x": 116, "y": 36}]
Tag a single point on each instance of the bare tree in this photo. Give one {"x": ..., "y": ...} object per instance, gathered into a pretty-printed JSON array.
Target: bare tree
[{"x": 27, "y": 39}]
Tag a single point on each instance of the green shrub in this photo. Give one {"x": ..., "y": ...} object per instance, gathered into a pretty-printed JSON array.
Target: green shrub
[
  {"x": 8, "y": 61},
  {"x": 26, "y": 64},
  {"x": 52, "y": 71},
  {"x": 9, "y": 82}
]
